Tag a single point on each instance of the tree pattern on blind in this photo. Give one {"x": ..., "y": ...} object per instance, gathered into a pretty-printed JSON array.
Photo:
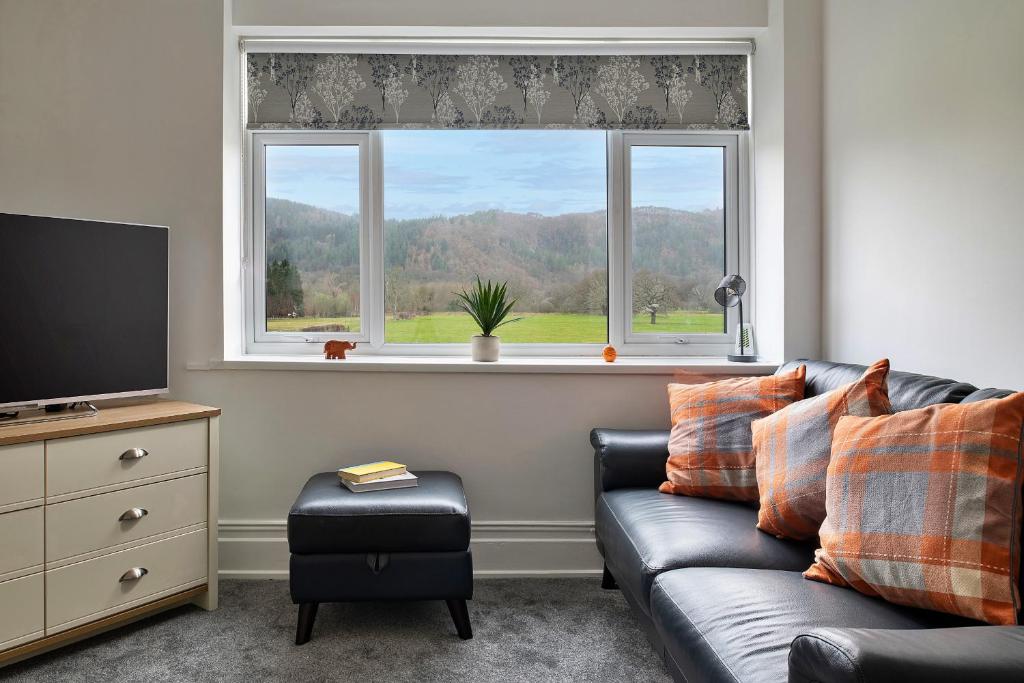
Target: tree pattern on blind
[{"x": 349, "y": 91}]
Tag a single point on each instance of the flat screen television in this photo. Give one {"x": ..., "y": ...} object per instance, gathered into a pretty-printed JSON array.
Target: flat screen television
[{"x": 83, "y": 310}]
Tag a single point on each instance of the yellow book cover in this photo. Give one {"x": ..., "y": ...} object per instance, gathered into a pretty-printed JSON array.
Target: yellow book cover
[{"x": 371, "y": 471}]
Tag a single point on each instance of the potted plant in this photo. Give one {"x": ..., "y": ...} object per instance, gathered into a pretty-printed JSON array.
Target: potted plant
[{"x": 489, "y": 306}]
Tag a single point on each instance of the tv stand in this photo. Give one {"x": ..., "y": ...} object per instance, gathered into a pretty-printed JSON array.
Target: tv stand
[
  {"x": 105, "y": 520},
  {"x": 47, "y": 414}
]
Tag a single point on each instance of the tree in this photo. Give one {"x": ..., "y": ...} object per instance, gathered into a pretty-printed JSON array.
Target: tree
[
  {"x": 717, "y": 73},
  {"x": 678, "y": 94},
  {"x": 434, "y": 73},
  {"x": 290, "y": 71},
  {"x": 394, "y": 93},
  {"x": 730, "y": 113},
  {"x": 380, "y": 71},
  {"x": 305, "y": 114},
  {"x": 535, "y": 93},
  {"x": 284, "y": 290},
  {"x": 588, "y": 113},
  {"x": 337, "y": 82},
  {"x": 650, "y": 293},
  {"x": 254, "y": 90},
  {"x": 395, "y": 291},
  {"x": 479, "y": 83},
  {"x": 574, "y": 74},
  {"x": 447, "y": 114},
  {"x": 666, "y": 68},
  {"x": 524, "y": 70},
  {"x": 620, "y": 83}
]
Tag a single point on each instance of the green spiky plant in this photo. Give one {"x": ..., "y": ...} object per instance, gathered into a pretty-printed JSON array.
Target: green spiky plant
[{"x": 488, "y": 305}]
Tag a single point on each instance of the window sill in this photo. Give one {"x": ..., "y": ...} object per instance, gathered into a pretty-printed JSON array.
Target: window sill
[{"x": 648, "y": 365}]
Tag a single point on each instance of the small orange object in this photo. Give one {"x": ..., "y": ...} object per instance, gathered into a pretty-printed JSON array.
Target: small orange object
[
  {"x": 335, "y": 350},
  {"x": 609, "y": 354}
]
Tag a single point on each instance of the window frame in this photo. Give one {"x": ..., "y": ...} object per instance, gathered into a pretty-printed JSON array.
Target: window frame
[
  {"x": 257, "y": 341},
  {"x": 733, "y": 262}
]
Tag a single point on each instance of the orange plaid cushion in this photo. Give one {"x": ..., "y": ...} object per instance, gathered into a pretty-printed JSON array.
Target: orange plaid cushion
[
  {"x": 924, "y": 508},
  {"x": 792, "y": 447},
  {"x": 710, "y": 449}
]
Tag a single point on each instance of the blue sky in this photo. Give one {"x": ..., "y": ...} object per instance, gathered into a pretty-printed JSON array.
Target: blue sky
[{"x": 432, "y": 172}]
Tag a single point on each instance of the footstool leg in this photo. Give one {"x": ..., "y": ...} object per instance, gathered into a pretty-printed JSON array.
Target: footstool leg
[
  {"x": 307, "y": 615},
  {"x": 460, "y": 615}
]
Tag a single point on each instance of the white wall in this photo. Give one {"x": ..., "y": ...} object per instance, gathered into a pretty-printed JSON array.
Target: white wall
[
  {"x": 113, "y": 109},
  {"x": 787, "y": 180},
  {"x": 570, "y": 13},
  {"x": 924, "y": 236}
]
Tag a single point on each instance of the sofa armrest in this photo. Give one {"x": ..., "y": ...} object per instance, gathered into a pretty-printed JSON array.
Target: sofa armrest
[
  {"x": 973, "y": 654},
  {"x": 628, "y": 458}
]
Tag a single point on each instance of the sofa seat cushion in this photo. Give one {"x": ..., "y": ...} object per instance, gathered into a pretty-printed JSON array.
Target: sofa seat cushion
[
  {"x": 644, "y": 533},
  {"x": 738, "y": 624},
  {"x": 431, "y": 517}
]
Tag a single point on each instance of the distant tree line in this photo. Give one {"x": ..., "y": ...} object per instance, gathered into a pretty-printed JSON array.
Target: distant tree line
[{"x": 552, "y": 263}]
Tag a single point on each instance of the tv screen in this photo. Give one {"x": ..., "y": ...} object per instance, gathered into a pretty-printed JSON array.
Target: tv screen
[{"x": 83, "y": 310}]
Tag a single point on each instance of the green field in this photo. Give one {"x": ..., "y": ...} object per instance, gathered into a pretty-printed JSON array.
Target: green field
[{"x": 551, "y": 328}]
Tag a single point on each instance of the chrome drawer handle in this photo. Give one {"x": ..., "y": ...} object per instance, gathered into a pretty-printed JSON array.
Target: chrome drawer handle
[
  {"x": 134, "y": 513},
  {"x": 133, "y": 574},
  {"x": 134, "y": 454}
]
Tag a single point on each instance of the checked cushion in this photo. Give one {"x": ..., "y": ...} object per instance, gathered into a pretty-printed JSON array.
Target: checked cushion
[
  {"x": 792, "y": 448},
  {"x": 711, "y": 453},
  {"x": 924, "y": 508}
]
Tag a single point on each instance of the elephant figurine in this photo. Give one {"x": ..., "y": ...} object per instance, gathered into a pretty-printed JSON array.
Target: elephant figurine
[{"x": 335, "y": 350}]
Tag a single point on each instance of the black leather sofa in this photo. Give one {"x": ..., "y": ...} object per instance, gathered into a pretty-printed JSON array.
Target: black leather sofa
[{"x": 722, "y": 601}]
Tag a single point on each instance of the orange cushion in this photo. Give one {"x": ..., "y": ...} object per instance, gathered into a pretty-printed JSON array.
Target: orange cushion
[
  {"x": 923, "y": 508},
  {"x": 792, "y": 447},
  {"x": 710, "y": 449}
]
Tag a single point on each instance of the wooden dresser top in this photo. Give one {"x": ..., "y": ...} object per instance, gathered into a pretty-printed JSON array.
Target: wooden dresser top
[{"x": 109, "y": 419}]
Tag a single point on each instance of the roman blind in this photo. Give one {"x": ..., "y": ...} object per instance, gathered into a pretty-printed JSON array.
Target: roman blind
[{"x": 309, "y": 90}]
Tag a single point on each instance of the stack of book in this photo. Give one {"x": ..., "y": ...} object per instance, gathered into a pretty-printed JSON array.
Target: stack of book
[{"x": 377, "y": 476}]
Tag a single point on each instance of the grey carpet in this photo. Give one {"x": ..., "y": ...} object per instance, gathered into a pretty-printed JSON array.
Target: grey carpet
[{"x": 524, "y": 630}]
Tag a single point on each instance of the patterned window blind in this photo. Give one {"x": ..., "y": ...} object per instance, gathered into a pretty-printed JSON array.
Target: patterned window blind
[{"x": 361, "y": 91}]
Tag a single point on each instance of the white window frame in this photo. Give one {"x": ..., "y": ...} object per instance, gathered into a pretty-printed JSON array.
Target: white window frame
[
  {"x": 258, "y": 339},
  {"x": 736, "y": 260},
  {"x": 371, "y": 261}
]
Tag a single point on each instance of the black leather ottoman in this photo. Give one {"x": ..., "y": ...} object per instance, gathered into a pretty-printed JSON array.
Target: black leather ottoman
[{"x": 403, "y": 544}]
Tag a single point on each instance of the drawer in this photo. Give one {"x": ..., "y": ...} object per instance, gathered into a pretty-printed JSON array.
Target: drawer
[
  {"x": 93, "y": 523},
  {"x": 21, "y": 474},
  {"x": 86, "y": 590},
  {"x": 21, "y": 540},
  {"x": 21, "y": 618},
  {"x": 80, "y": 463}
]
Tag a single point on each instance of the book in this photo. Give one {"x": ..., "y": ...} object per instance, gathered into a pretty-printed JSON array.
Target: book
[
  {"x": 371, "y": 471},
  {"x": 401, "y": 481}
]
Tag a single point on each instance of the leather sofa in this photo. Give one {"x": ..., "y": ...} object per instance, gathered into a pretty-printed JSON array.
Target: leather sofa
[{"x": 722, "y": 601}]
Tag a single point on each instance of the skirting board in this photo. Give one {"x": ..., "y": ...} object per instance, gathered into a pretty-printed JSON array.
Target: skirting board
[{"x": 258, "y": 549}]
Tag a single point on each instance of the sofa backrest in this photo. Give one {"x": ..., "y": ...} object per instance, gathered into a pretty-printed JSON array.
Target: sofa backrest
[{"x": 907, "y": 390}]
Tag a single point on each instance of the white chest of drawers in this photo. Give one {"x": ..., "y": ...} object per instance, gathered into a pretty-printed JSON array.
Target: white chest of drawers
[{"x": 104, "y": 520}]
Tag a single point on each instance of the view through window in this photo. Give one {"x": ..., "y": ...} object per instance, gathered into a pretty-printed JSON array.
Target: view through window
[
  {"x": 526, "y": 207},
  {"x": 312, "y": 238},
  {"x": 678, "y": 251}
]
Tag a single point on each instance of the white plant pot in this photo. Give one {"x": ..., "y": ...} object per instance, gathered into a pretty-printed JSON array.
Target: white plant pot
[{"x": 486, "y": 349}]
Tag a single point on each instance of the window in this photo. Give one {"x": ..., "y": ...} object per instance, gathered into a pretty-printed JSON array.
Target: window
[
  {"x": 681, "y": 235},
  {"x": 604, "y": 237}
]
